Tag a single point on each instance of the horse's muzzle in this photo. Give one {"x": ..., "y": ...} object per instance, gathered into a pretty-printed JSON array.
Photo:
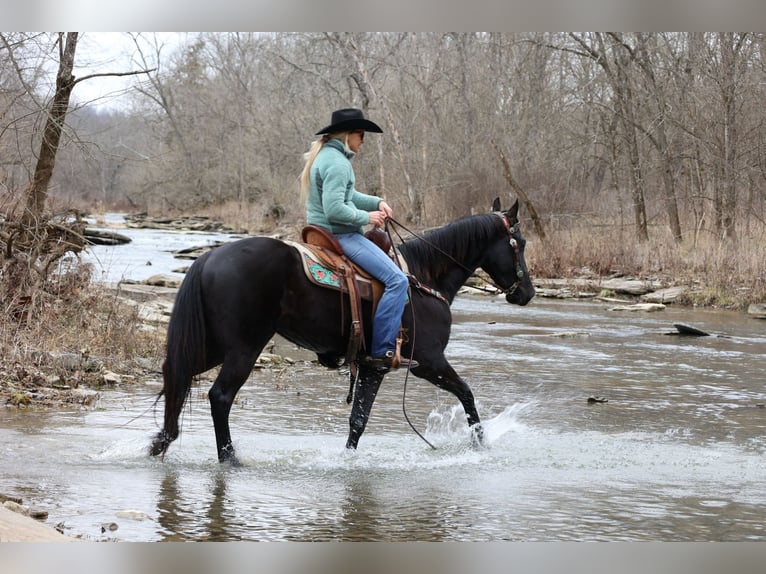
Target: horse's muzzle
[{"x": 522, "y": 295}]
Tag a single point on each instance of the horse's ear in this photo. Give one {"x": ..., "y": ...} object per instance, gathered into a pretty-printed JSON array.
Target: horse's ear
[
  {"x": 496, "y": 204},
  {"x": 513, "y": 213}
]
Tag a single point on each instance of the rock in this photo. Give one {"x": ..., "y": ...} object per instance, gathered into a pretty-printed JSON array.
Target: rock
[
  {"x": 38, "y": 513},
  {"x": 162, "y": 281},
  {"x": 140, "y": 292},
  {"x": 630, "y": 286},
  {"x": 68, "y": 361},
  {"x": 156, "y": 312},
  {"x": 86, "y": 397},
  {"x": 615, "y": 285},
  {"x": 689, "y": 330},
  {"x": 469, "y": 290},
  {"x": 7, "y": 497},
  {"x": 52, "y": 380},
  {"x": 646, "y": 307},
  {"x": 195, "y": 252},
  {"x": 109, "y": 526},
  {"x": 667, "y": 295},
  {"x": 110, "y": 378},
  {"x": 16, "y": 507},
  {"x": 757, "y": 310},
  {"x": 563, "y": 293},
  {"x": 133, "y": 515},
  {"x": 146, "y": 364},
  {"x": 563, "y": 334},
  {"x": 182, "y": 223},
  {"x": 606, "y": 299},
  {"x": 99, "y": 237}
]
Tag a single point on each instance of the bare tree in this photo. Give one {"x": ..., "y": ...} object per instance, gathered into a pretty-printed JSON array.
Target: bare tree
[
  {"x": 644, "y": 53},
  {"x": 33, "y": 243},
  {"x": 606, "y": 124},
  {"x": 351, "y": 47},
  {"x": 610, "y": 52}
]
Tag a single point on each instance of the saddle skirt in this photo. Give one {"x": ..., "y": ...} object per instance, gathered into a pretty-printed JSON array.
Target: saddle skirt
[
  {"x": 324, "y": 272},
  {"x": 325, "y": 265}
]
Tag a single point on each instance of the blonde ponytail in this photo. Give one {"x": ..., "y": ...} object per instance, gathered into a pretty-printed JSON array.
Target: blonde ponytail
[{"x": 310, "y": 156}]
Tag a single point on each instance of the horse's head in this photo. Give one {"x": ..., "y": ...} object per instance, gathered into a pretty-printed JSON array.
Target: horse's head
[{"x": 504, "y": 260}]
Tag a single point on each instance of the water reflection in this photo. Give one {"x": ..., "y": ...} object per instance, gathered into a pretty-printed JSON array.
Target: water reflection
[
  {"x": 171, "y": 514},
  {"x": 359, "y": 513}
]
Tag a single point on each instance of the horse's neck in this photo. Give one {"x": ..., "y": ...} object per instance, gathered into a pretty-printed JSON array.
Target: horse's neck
[
  {"x": 454, "y": 268},
  {"x": 456, "y": 275}
]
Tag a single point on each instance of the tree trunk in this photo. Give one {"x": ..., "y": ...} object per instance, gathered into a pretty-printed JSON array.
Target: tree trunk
[
  {"x": 625, "y": 103},
  {"x": 729, "y": 48},
  {"x": 539, "y": 228},
  {"x": 37, "y": 191},
  {"x": 660, "y": 140}
]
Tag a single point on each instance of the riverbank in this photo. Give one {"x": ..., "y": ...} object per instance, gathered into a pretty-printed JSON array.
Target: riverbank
[
  {"x": 64, "y": 378},
  {"x": 17, "y": 527}
]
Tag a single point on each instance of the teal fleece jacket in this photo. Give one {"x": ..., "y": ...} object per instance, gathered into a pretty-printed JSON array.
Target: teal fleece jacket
[{"x": 333, "y": 202}]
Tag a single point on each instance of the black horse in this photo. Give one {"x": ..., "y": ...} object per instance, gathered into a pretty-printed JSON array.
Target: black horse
[{"x": 237, "y": 296}]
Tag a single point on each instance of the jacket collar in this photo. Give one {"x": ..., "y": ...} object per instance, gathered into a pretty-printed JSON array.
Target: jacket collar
[{"x": 337, "y": 144}]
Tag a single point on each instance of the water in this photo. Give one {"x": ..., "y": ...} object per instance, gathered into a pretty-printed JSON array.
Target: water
[
  {"x": 149, "y": 253},
  {"x": 677, "y": 452}
]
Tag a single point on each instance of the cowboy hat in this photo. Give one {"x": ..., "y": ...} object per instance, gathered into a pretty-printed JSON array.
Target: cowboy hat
[{"x": 349, "y": 119}]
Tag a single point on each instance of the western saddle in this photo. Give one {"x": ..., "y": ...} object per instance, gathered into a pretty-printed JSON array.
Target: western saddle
[{"x": 330, "y": 253}]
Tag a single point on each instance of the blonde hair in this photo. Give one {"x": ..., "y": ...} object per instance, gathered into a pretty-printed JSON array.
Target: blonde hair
[{"x": 311, "y": 155}]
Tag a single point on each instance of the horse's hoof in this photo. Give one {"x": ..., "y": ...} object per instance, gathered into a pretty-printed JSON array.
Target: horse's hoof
[
  {"x": 230, "y": 459},
  {"x": 477, "y": 436},
  {"x": 160, "y": 445},
  {"x": 226, "y": 456}
]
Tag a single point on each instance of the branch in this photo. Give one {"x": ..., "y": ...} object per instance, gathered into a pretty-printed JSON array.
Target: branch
[
  {"x": 617, "y": 38},
  {"x": 18, "y": 68},
  {"x": 113, "y": 74}
]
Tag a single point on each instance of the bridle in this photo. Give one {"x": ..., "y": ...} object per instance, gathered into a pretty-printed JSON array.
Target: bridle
[{"x": 515, "y": 246}]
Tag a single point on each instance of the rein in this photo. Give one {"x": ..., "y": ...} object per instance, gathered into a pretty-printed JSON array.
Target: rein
[
  {"x": 424, "y": 288},
  {"x": 512, "y": 242}
]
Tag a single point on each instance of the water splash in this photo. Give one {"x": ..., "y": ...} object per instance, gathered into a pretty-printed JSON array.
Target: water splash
[{"x": 450, "y": 427}]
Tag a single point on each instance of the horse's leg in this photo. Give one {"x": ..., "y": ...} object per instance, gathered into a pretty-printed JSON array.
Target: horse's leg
[
  {"x": 444, "y": 376},
  {"x": 234, "y": 372},
  {"x": 175, "y": 397},
  {"x": 365, "y": 391}
]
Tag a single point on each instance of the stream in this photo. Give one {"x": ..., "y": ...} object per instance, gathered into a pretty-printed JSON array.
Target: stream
[{"x": 675, "y": 453}]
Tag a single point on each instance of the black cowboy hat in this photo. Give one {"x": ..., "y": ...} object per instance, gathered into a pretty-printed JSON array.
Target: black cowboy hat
[{"x": 349, "y": 119}]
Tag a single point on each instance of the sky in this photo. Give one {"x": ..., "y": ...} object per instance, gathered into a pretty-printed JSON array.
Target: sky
[{"x": 102, "y": 52}]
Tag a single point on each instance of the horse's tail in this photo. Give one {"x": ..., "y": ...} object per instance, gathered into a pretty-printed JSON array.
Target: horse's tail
[{"x": 185, "y": 353}]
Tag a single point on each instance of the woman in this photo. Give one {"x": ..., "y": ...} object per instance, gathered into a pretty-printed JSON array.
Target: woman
[{"x": 332, "y": 202}]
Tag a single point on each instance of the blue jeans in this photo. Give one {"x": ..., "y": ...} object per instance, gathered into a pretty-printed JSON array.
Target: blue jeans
[{"x": 388, "y": 315}]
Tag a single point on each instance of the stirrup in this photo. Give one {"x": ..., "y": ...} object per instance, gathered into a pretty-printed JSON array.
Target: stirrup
[{"x": 387, "y": 362}]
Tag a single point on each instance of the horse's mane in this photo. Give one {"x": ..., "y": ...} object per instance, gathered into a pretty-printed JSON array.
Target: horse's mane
[{"x": 425, "y": 255}]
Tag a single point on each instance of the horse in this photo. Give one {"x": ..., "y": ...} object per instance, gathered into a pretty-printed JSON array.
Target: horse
[{"x": 236, "y": 297}]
